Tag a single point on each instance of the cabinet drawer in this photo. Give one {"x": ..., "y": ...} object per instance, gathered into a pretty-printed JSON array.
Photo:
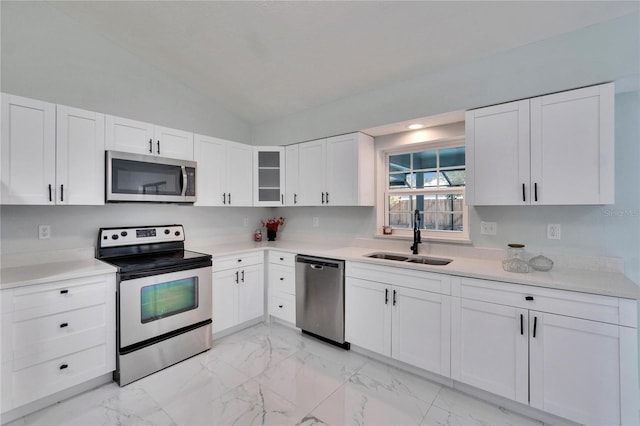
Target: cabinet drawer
[
  {"x": 235, "y": 261},
  {"x": 41, "y": 300},
  {"x": 567, "y": 303},
  {"x": 37, "y": 334},
  {"x": 282, "y": 279},
  {"x": 283, "y": 306},
  {"x": 403, "y": 277},
  {"x": 52, "y": 376},
  {"x": 282, "y": 258}
]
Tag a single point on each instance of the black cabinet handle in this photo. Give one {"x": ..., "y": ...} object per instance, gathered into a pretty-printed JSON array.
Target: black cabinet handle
[
  {"x": 150, "y": 146},
  {"x": 239, "y": 260},
  {"x": 158, "y": 147},
  {"x": 295, "y": 198},
  {"x": 535, "y": 191},
  {"x": 521, "y": 325},
  {"x": 386, "y": 296},
  {"x": 63, "y": 366},
  {"x": 323, "y": 198},
  {"x": 224, "y": 198},
  {"x": 281, "y": 278},
  {"x": 282, "y": 258},
  {"x": 528, "y": 298},
  {"x": 61, "y": 192},
  {"x": 237, "y": 275},
  {"x": 524, "y": 198},
  {"x": 64, "y": 324},
  {"x": 280, "y": 306},
  {"x": 242, "y": 276},
  {"x": 535, "y": 324},
  {"x": 327, "y": 198},
  {"x": 50, "y": 199},
  {"x": 394, "y": 298},
  {"x": 229, "y": 198},
  {"x": 65, "y": 291}
]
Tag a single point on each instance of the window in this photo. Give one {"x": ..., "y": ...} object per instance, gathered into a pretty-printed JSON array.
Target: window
[{"x": 430, "y": 179}]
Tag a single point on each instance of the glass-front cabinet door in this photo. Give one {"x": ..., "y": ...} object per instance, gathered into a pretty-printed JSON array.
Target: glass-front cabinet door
[{"x": 268, "y": 176}]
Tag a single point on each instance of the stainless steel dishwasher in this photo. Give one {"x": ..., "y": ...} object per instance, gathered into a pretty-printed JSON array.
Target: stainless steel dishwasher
[{"x": 320, "y": 298}]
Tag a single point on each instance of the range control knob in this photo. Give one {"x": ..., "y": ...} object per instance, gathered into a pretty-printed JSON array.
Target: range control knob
[
  {"x": 166, "y": 232},
  {"x": 114, "y": 237},
  {"x": 124, "y": 233},
  {"x": 177, "y": 234}
]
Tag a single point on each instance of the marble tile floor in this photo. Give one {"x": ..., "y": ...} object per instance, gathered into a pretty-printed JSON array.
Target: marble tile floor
[{"x": 271, "y": 374}]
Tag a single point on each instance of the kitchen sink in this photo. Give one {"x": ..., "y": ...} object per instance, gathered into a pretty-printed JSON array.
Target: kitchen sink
[
  {"x": 388, "y": 256},
  {"x": 430, "y": 260},
  {"x": 424, "y": 260}
]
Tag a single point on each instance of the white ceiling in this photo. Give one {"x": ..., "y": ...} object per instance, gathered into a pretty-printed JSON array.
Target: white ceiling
[{"x": 267, "y": 60}]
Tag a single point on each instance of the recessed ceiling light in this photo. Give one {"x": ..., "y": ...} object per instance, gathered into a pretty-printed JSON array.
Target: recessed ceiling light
[{"x": 415, "y": 126}]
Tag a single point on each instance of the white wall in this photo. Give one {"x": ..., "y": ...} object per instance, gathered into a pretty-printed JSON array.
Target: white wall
[
  {"x": 48, "y": 56},
  {"x": 604, "y": 52}
]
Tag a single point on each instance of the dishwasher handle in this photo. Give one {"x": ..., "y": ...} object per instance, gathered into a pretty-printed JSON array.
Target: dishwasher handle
[{"x": 320, "y": 262}]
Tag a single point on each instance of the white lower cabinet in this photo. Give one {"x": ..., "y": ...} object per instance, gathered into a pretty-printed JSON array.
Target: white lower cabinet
[
  {"x": 282, "y": 285},
  {"x": 55, "y": 336},
  {"x": 570, "y": 354},
  {"x": 238, "y": 289},
  {"x": 389, "y": 311}
]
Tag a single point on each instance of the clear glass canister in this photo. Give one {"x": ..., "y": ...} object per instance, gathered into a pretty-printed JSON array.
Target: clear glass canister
[{"x": 516, "y": 259}]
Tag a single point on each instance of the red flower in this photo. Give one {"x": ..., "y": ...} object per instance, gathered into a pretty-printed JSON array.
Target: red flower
[{"x": 273, "y": 223}]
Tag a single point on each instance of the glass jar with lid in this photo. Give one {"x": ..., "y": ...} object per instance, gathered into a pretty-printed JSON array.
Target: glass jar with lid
[{"x": 516, "y": 260}]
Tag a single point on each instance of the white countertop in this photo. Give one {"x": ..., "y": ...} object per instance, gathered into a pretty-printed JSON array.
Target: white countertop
[
  {"x": 76, "y": 265},
  {"x": 586, "y": 281},
  {"x": 39, "y": 273}
]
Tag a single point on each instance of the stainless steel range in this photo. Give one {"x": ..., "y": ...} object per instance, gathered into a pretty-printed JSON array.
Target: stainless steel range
[{"x": 163, "y": 298}]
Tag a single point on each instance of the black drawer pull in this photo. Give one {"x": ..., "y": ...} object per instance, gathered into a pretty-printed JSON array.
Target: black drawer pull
[
  {"x": 282, "y": 258},
  {"x": 63, "y": 366},
  {"x": 528, "y": 298},
  {"x": 521, "y": 324},
  {"x": 280, "y": 306},
  {"x": 281, "y": 278},
  {"x": 535, "y": 324},
  {"x": 239, "y": 260},
  {"x": 64, "y": 324},
  {"x": 523, "y": 194},
  {"x": 65, "y": 291}
]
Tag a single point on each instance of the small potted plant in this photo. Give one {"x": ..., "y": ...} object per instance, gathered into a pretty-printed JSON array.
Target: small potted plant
[{"x": 272, "y": 227}]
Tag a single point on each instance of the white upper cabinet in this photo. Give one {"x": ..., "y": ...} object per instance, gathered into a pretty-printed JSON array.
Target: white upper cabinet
[
  {"x": 79, "y": 156},
  {"x": 28, "y": 151},
  {"x": 138, "y": 137},
  {"x": 556, "y": 149},
  {"x": 292, "y": 175},
  {"x": 268, "y": 176},
  {"x": 45, "y": 163},
  {"x": 572, "y": 146},
  {"x": 336, "y": 171},
  {"x": 225, "y": 172}
]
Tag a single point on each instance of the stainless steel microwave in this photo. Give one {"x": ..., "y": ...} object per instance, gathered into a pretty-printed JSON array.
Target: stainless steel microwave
[{"x": 146, "y": 178}]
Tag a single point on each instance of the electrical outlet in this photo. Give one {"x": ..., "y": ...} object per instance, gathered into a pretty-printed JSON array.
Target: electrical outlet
[
  {"x": 316, "y": 222},
  {"x": 44, "y": 232},
  {"x": 488, "y": 228},
  {"x": 246, "y": 222},
  {"x": 553, "y": 231}
]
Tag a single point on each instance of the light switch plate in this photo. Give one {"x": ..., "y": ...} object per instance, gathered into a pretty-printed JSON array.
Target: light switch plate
[
  {"x": 44, "y": 232},
  {"x": 488, "y": 228}
]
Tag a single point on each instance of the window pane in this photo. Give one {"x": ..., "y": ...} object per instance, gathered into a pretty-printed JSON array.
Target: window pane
[
  {"x": 425, "y": 179},
  {"x": 400, "y": 220},
  {"x": 452, "y": 157},
  {"x": 425, "y": 160},
  {"x": 398, "y": 203},
  {"x": 453, "y": 177},
  {"x": 399, "y": 163},
  {"x": 400, "y": 180}
]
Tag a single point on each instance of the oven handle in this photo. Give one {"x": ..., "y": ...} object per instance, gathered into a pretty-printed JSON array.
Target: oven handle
[
  {"x": 124, "y": 276},
  {"x": 185, "y": 181}
]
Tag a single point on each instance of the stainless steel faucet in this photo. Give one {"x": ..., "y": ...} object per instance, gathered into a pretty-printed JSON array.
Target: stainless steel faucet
[{"x": 417, "y": 239}]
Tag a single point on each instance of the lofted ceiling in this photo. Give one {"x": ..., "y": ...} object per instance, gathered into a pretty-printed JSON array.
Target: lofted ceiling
[{"x": 268, "y": 60}]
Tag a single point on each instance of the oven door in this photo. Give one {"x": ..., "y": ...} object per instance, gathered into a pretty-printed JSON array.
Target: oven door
[{"x": 152, "y": 306}]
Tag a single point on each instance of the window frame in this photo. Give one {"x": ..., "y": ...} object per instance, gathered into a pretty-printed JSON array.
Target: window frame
[{"x": 383, "y": 192}]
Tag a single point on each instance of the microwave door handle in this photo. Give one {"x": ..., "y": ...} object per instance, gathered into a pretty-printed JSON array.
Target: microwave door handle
[{"x": 185, "y": 181}]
